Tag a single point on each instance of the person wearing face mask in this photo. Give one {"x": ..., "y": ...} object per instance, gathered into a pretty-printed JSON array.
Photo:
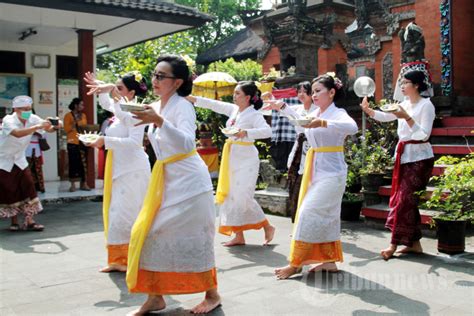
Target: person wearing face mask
[
  {"x": 316, "y": 232},
  {"x": 127, "y": 168},
  {"x": 17, "y": 189},
  {"x": 74, "y": 123},
  {"x": 239, "y": 168}
]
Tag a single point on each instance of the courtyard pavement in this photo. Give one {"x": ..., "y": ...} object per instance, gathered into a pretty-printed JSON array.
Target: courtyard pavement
[{"x": 55, "y": 272}]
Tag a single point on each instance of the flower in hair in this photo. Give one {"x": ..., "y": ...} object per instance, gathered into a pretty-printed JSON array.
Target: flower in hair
[
  {"x": 189, "y": 61},
  {"x": 337, "y": 81},
  {"x": 138, "y": 76},
  {"x": 255, "y": 98}
]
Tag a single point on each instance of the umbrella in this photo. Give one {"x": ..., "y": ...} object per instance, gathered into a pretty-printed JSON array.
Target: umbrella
[{"x": 214, "y": 85}]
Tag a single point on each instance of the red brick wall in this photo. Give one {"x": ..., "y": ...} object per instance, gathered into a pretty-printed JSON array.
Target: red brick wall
[
  {"x": 272, "y": 58},
  {"x": 428, "y": 17},
  {"x": 462, "y": 47},
  {"x": 328, "y": 58}
]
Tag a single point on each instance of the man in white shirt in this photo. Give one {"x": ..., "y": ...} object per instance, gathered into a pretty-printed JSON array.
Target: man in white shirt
[{"x": 17, "y": 190}]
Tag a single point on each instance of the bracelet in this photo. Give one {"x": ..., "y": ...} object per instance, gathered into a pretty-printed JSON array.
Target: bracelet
[
  {"x": 409, "y": 119},
  {"x": 324, "y": 123},
  {"x": 283, "y": 106}
]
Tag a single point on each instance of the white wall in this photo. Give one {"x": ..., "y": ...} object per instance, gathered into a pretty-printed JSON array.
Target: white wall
[{"x": 44, "y": 80}]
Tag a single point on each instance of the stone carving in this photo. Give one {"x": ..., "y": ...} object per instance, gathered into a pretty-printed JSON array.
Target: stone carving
[
  {"x": 387, "y": 75},
  {"x": 413, "y": 43},
  {"x": 363, "y": 43},
  {"x": 413, "y": 58},
  {"x": 367, "y": 11},
  {"x": 297, "y": 37},
  {"x": 269, "y": 174}
]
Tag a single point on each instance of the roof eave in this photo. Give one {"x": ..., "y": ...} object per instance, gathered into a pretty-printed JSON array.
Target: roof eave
[{"x": 184, "y": 19}]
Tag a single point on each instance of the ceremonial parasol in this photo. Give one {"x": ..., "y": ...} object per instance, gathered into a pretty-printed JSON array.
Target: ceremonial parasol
[{"x": 214, "y": 85}]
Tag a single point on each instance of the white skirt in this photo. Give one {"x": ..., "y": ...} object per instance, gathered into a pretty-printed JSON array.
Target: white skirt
[
  {"x": 240, "y": 207},
  {"x": 128, "y": 192},
  {"x": 181, "y": 238},
  {"x": 320, "y": 214}
]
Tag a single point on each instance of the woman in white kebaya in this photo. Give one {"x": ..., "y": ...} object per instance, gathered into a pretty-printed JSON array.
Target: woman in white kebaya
[
  {"x": 240, "y": 163},
  {"x": 127, "y": 168},
  {"x": 316, "y": 234},
  {"x": 413, "y": 164},
  {"x": 172, "y": 243},
  {"x": 300, "y": 148}
]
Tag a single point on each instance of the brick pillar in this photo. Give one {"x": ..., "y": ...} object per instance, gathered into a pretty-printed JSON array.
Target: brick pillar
[{"x": 86, "y": 63}]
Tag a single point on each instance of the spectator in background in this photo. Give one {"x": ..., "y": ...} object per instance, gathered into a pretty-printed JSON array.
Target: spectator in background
[
  {"x": 283, "y": 137},
  {"x": 74, "y": 123}
]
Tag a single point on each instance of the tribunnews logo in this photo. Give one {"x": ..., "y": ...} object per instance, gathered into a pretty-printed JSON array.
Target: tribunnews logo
[{"x": 322, "y": 289}]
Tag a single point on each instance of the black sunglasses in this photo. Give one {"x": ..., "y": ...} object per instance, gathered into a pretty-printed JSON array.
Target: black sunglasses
[{"x": 161, "y": 77}]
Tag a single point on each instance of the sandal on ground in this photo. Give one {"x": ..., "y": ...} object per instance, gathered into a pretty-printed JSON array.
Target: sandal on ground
[
  {"x": 14, "y": 227},
  {"x": 35, "y": 227}
]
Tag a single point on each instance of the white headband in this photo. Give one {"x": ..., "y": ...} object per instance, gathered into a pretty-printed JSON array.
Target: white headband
[{"x": 21, "y": 101}]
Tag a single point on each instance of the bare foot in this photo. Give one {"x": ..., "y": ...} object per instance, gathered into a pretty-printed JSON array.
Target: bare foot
[
  {"x": 211, "y": 301},
  {"x": 286, "y": 272},
  {"x": 153, "y": 303},
  {"x": 238, "y": 240},
  {"x": 113, "y": 268},
  {"x": 416, "y": 248},
  {"x": 326, "y": 266},
  {"x": 388, "y": 253},
  {"x": 269, "y": 233}
]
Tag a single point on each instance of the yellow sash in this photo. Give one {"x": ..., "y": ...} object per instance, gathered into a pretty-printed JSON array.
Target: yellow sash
[
  {"x": 308, "y": 171},
  {"x": 107, "y": 190},
  {"x": 224, "y": 175},
  {"x": 150, "y": 208}
]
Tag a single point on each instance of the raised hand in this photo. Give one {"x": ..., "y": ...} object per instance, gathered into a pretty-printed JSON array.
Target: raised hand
[
  {"x": 98, "y": 143},
  {"x": 273, "y": 105},
  {"x": 241, "y": 134},
  {"x": 314, "y": 123},
  {"x": 96, "y": 86},
  {"x": 365, "y": 107},
  {"x": 148, "y": 116},
  {"x": 401, "y": 113}
]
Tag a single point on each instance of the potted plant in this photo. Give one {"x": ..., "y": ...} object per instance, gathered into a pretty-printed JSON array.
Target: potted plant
[
  {"x": 453, "y": 198},
  {"x": 352, "y": 200},
  {"x": 376, "y": 161}
]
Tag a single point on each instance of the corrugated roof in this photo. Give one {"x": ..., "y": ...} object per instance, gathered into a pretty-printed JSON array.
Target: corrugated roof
[
  {"x": 243, "y": 44},
  {"x": 153, "y": 5}
]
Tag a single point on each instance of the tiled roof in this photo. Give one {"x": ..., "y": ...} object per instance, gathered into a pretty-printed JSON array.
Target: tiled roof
[
  {"x": 158, "y": 6},
  {"x": 243, "y": 44}
]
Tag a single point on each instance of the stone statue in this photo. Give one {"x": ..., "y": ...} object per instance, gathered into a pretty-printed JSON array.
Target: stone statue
[
  {"x": 297, "y": 7},
  {"x": 269, "y": 174},
  {"x": 413, "y": 43},
  {"x": 361, "y": 13},
  {"x": 413, "y": 58}
]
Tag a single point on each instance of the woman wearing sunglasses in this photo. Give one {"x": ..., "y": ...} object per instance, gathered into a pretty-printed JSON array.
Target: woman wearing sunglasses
[
  {"x": 172, "y": 243},
  {"x": 127, "y": 170}
]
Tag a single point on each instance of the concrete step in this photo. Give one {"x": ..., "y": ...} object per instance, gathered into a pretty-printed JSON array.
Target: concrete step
[
  {"x": 438, "y": 170},
  {"x": 453, "y": 131},
  {"x": 386, "y": 189},
  {"x": 380, "y": 211},
  {"x": 458, "y": 121},
  {"x": 443, "y": 149}
]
